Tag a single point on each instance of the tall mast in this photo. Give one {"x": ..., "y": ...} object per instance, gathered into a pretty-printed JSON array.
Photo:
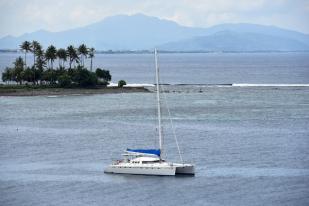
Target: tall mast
[{"x": 158, "y": 103}]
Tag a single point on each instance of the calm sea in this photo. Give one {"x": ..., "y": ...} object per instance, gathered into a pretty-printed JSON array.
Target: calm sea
[
  {"x": 209, "y": 68},
  {"x": 250, "y": 145}
]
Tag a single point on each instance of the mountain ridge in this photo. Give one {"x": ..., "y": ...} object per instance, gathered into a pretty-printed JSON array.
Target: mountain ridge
[
  {"x": 229, "y": 41},
  {"x": 140, "y": 32}
]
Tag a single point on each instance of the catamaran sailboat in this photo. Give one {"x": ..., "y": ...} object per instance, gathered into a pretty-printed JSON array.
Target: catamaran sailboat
[{"x": 150, "y": 161}]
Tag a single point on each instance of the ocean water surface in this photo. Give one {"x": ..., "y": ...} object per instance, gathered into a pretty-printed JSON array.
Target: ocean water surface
[
  {"x": 203, "y": 68},
  {"x": 250, "y": 145}
]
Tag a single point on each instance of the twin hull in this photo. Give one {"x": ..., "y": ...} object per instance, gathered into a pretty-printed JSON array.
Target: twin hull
[{"x": 168, "y": 170}]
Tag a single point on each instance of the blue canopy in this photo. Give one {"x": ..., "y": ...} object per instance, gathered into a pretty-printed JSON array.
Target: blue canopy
[{"x": 146, "y": 151}]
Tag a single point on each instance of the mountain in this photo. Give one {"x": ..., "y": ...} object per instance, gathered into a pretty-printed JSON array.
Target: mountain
[
  {"x": 116, "y": 32},
  {"x": 137, "y": 32},
  {"x": 238, "y": 42}
]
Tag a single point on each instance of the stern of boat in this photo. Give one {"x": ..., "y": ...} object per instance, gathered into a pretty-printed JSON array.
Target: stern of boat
[{"x": 185, "y": 169}]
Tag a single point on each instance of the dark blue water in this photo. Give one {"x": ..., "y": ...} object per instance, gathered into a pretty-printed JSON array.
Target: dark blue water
[
  {"x": 250, "y": 147},
  {"x": 211, "y": 68}
]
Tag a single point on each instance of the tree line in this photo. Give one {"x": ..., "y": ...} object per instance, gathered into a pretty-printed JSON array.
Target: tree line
[{"x": 44, "y": 72}]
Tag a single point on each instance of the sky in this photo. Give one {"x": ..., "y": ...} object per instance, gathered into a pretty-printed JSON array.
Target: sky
[{"x": 20, "y": 16}]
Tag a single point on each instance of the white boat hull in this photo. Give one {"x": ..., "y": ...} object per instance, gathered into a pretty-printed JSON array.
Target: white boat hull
[
  {"x": 141, "y": 170},
  {"x": 149, "y": 161},
  {"x": 151, "y": 169}
]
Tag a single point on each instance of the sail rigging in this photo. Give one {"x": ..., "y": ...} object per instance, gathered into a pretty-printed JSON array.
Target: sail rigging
[
  {"x": 151, "y": 161},
  {"x": 158, "y": 103}
]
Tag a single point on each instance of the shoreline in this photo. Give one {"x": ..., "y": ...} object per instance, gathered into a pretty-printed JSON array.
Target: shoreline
[{"x": 19, "y": 92}]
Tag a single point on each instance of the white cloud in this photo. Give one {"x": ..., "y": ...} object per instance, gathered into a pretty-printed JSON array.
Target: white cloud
[{"x": 19, "y": 16}]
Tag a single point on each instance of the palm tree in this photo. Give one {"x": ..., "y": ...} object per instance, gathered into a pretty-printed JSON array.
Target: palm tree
[
  {"x": 62, "y": 55},
  {"x": 40, "y": 65},
  {"x": 72, "y": 54},
  {"x": 40, "y": 60},
  {"x": 18, "y": 69},
  {"x": 7, "y": 75},
  {"x": 26, "y": 47},
  {"x": 83, "y": 51},
  {"x": 51, "y": 54},
  {"x": 91, "y": 55},
  {"x": 35, "y": 46},
  {"x": 36, "y": 49}
]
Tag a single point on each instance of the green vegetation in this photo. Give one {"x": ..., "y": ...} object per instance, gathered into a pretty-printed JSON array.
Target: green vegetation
[
  {"x": 103, "y": 75},
  {"x": 121, "y": 83},
  {"x": 26, "y": 47},
  {"x": 43, "y": 72},
  {"x": 91, "y": 55}
]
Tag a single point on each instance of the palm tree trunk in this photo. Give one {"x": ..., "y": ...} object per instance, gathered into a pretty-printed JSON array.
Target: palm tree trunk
[
  {"x": 26, "y": 59},
  {"x": 90, "y": 64},
  {"x": 34, "y": 76},
  {"x": 33, "y": 59}
]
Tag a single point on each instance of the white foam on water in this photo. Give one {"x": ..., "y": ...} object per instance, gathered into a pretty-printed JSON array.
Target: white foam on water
[
  {"x": 139, "y": 85},
  {"x": 214, "y": 85},
  {"x": 111, "y": 84},
  {"x": 270, "y": 85},
  {"x": 52, "y": 96}
]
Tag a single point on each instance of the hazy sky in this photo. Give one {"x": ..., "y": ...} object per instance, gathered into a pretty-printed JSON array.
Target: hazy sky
[{"x": 20, "y": 16}]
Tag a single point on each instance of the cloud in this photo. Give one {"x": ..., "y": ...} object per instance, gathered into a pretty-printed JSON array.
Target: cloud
[{"x": 19, "y": 16}]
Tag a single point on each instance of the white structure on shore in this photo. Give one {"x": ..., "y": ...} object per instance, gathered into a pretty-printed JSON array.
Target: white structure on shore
[{"x": 150, "y": 161}]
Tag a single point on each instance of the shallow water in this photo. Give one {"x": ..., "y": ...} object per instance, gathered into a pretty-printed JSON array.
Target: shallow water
[{"x": 250, "y": 147}]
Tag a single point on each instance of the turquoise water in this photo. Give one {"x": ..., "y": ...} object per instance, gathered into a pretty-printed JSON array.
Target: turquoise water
[{"x": 250, "y": 147}]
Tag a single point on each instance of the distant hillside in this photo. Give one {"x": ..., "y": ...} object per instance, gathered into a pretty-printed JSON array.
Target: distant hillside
[
  {"x": 238, "y": 42},
  {"x": 119, "y": 32},
  {"x": 138, "y": 32}
]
